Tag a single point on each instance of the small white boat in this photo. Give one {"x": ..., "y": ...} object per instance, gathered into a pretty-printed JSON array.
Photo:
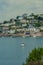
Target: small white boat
[
  {"x": 22, "y": 44},
  {"x": 34, "y": 36}
]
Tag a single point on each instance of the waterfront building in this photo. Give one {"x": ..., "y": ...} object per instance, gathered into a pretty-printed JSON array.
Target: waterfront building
[
  {"x": 20, "y": 30},
  {"x": 5, "y": 29},
  {"x": 41, "y": 27},
  {"x": 23, "y": 25},
  {"x": 11, "y": 31}
]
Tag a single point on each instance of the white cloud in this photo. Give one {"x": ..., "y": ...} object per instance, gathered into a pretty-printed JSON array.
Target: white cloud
[{"x": 12, "y": 8}]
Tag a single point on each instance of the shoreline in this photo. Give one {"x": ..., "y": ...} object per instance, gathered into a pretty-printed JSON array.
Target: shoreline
[{"x": 39, "y": 34}]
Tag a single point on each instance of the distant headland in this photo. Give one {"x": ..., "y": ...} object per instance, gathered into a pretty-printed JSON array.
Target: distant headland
[{"x": 25, "y": 25}]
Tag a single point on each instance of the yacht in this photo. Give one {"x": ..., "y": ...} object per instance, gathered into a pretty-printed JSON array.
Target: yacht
[{"x": 22, "y": 44}]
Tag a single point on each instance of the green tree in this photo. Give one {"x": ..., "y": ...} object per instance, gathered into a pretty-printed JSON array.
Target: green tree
[
  {"x": 5, "y": 22},
  {"x": 37, "y": 24},
  {"x": 35, "y": 57}
]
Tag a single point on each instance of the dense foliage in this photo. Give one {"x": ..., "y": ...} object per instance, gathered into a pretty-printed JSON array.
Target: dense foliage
[{"x": 35, "y": 57}]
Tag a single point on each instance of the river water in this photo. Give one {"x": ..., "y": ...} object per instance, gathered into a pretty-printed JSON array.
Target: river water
[{"x": 11, "y": 51}]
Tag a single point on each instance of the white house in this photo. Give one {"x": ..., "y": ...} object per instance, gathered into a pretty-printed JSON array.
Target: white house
[
  {"x": 7, "y": 24},
  {"x": 20, "y": 18},
  {"x": 41, "y": 27},
  {"x": 23, "y": 21},
  {"x": 5, "y": 29},
  {"x": 20, "y": 30},
  {"x": 11, "y": 31},
  {"x": 23, "y": 25},
  {"x": 30, "y": 17}
]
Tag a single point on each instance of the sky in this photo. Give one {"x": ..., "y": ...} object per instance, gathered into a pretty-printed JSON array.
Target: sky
[{"x": 12, "y": 8}]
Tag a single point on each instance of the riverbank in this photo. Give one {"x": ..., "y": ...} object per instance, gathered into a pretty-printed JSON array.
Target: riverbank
[{"x": 21, "y": 34}]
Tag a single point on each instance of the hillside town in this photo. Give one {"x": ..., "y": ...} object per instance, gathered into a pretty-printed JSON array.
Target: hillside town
[{"x": 24, "y": 25}]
